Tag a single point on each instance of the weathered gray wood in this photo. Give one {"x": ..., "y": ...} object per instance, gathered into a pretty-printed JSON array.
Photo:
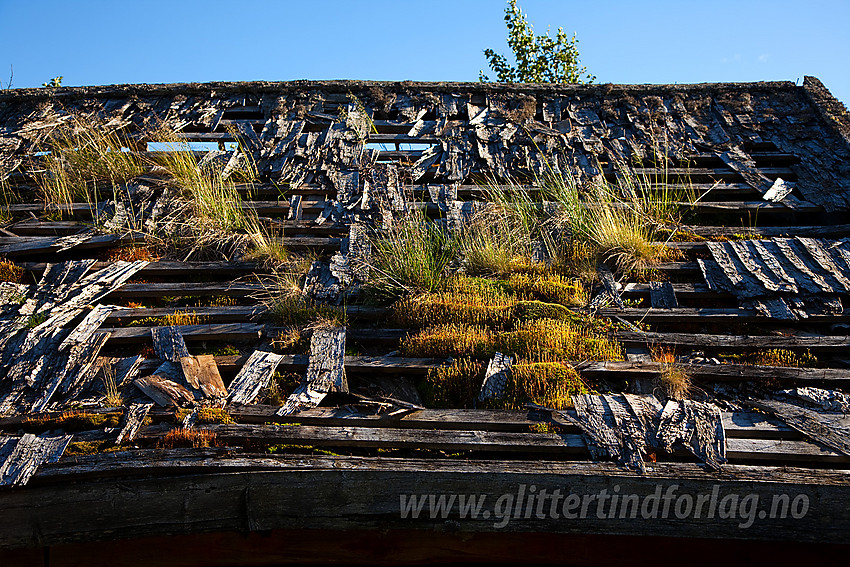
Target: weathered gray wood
[
  {"x": 168, "y": 343},
  {"x": 202, "y": 374},
  {"x": 744, "y": 284},
  {"x": 325, "y": 373},
  {"x": 385, "y": 437},
  {"x": 496, "y": 377},
  {"x": 816, "y": 343},
  {"x": 276, "y": 487},
  {"x": 83, "y": 363},
  {"x": 125, "y": 369},
  {"x": 618, "y": 427},
  {"x": 609, "y": 292},
  {"x": 817, "y": 250},
  {"x": 163, "y": 391},
  {"x": 812, "y": 424},
  {"x": 202, "y": 332},
  {"x": 134, "y": 417},
  {"x": 295, "y": 212},
  {"x": 698, "y": 426},
  {"x": 30, "y": 452},
  {"x": 253, "y": 377},
  {"x": 88, "y": 326},
  {"x": 662, "y": 295},
  {"x": 600, "y": 429}
]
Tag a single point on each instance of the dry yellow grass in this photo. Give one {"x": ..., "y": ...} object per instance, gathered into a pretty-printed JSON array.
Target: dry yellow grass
[{"x": 674, "y": 381}]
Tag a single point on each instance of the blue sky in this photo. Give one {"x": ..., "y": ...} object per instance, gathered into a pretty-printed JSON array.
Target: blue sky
[{"x": 98, "y": 43}]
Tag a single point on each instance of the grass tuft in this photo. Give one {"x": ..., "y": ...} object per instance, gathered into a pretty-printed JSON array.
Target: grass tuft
[
  {"x": 412, "y": 256},
  {"x": 674, "y": 381},
  {"x": 84, "y": 155}
]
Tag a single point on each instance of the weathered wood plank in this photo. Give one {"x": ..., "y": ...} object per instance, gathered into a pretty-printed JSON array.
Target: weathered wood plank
[
  {"x": 168, "y": 343},
  {"x": 134, "y": 417},
  {"x": 217, "y": 501},
  {"x": 29, "y": 453},
  {"x": 202, "y": 374},
  {"x": 810, "y": 423},
  {"x": 662, "y": 295},
  {"x": 325, "y": 372},
  {"x": 163, "y": 391},
  {"x": 819, "y": 343},
  {"x": 698, "y": 426},
  {"x": 496, "y": 377},
  {"x": 253, "y": 377},
  {"x": 88, "y": 326},
  {"x": 609, "y": 292}
]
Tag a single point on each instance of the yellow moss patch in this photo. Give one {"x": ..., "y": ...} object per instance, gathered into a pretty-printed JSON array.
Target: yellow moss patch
[
  {"x": 442, "y": 341},
  {"x": 453, "y": 386},
  {"x": 560, "y": 339},
  {"x": 72, "y": 421},
  {"x": 486, "y": 307},
  {"x": 9, "y": 272},
  {"x": 206, "y": 414},
  {"x": 182, "y": 437},
  {"x": 550, "y": 384},
  {"x": 80, "y": 448},
  {"x": 539, "y": 339},
  {"x": 457, "y": 385},
  {"x": 551, "y": 288},
  {"x": 782, "y": 357}
]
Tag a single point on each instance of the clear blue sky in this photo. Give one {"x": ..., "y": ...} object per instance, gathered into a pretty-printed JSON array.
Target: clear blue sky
[{"x": 98, "y": 43}]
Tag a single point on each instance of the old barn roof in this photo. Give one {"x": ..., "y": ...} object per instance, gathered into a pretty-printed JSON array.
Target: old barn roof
[{"x": 761, "y": 268}]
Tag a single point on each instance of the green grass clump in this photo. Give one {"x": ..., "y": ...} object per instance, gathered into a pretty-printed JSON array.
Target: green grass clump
[
  {"x": 83, "y": 155},
  {"x": 412, "y": 256}
]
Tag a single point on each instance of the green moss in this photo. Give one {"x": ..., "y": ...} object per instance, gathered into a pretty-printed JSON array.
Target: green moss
[
  {"x": 227, "y": 350},
  {"x": 530, "y": 310}
]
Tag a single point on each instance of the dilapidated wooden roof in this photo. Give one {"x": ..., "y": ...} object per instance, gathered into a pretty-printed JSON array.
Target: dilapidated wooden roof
[{"x": 762, "y": 266}]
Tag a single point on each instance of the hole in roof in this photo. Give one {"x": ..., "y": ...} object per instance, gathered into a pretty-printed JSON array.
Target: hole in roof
[{"x": 182, "y": 146}]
